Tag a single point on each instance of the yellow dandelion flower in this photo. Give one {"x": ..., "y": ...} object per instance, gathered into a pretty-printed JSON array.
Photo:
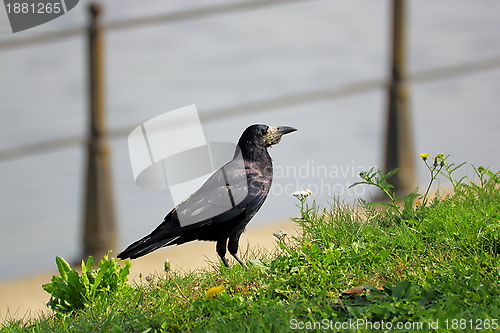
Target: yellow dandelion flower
[
  {"x": 424, "y": 156},
  {"x": 214, "y": 291}
]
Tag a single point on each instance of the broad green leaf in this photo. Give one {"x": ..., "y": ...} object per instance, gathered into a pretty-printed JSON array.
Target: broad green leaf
[
  {"x": 63, "y": 267},
  {"x": 400, "y": 288}
]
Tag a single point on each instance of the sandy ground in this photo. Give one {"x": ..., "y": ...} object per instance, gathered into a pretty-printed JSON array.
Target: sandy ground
[{"x": 24, "y": 297}]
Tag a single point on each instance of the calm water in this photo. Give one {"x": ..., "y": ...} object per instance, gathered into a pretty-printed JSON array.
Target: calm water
[{"x": 228, "y": 60}]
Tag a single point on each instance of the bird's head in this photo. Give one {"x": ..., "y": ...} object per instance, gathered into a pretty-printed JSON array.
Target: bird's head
[{"x": 265, "y": 136}]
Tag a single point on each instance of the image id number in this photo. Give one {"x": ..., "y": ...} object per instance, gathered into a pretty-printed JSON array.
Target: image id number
[
  {"x": 473, "y": 324},
  {"x": 39, "y": 8}
]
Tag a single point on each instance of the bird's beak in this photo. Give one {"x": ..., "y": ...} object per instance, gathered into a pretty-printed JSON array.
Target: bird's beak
[
  {"x": 282, "y": 130},
  {"x": 275, "y": 133}
]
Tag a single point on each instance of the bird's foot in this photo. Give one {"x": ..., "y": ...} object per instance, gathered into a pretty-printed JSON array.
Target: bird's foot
[
  {"x": 240, "y": 261},
  {"x": 224, "y": 261}
]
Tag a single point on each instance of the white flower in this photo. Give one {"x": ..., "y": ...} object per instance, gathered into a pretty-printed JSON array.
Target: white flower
[
  {"x": 301, "y": 195},
  {"x": 280, "y": 233}
]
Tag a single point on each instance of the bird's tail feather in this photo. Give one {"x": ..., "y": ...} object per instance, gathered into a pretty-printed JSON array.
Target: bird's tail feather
[{"x": 144, "y": 246}]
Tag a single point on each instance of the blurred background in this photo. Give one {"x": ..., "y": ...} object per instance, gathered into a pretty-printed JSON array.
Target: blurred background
[{"x": 320, "y": 66}]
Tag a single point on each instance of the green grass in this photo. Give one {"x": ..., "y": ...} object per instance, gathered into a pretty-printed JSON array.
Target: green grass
[{"x": 438, "y": 264}]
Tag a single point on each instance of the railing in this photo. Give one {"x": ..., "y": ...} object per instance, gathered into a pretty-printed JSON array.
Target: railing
[
  {"x": 99, "y": 218},
  {"x": 163, "y": 18},
  {"x": 236, "y": 110},
  {"x": 300, "y": 98}
]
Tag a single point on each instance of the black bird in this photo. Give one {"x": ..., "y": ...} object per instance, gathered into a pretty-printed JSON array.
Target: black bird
[{"x": 220, "y": 210}]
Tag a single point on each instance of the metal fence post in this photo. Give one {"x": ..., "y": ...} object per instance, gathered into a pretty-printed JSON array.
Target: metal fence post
[
  {"x": 99, "y": 230},
  {"x": 399, "y": 141}
]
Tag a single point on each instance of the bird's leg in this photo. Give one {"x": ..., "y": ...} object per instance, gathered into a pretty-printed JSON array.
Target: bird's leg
[
  {"x": 221, "y": 250},
  {"x": 233, "y": 249}
]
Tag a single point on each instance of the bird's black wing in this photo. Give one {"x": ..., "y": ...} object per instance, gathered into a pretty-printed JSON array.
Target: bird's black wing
[{"x": 218, "y": 199}]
